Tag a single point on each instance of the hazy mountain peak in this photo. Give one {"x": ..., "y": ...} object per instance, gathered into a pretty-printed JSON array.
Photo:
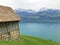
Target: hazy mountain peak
[
  {"x": 24, "y": 10},
  {"x": 43, "y": 15}
]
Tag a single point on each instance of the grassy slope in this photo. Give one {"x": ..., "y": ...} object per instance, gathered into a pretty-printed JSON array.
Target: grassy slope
[{"x": 28, "y": 40}]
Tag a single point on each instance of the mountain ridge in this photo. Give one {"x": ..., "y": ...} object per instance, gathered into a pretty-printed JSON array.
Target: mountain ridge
[{"x": 43, "y": 15}]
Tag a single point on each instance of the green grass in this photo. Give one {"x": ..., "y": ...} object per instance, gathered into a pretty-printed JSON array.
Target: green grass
[{"x": 28, "y": 40}]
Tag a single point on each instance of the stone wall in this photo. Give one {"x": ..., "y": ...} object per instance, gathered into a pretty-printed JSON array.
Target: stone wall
[{"x": 13, "y": 35}]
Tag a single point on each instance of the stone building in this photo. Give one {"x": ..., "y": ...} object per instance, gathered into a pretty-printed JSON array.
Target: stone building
[{"x": 9, "y": 24}]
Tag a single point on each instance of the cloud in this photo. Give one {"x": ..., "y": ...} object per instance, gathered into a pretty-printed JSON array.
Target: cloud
[
  {"x": 33, "y": 1},
  {"x": 6, "y": 2},
  {"x": 31, "y": 4}
]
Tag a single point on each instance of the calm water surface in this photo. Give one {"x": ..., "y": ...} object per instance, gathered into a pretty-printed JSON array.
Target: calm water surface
[{"x": 49, "y": 31}]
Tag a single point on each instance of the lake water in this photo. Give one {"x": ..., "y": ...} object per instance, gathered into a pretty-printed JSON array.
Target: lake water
[{"x": 49, "y": 31}]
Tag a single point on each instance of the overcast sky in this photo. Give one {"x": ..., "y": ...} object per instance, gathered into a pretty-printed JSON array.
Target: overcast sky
[{"x": 31, "y": 4}]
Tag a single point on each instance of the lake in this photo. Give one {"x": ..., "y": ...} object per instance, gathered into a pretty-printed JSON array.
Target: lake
[{"x": 50, "y": 31}]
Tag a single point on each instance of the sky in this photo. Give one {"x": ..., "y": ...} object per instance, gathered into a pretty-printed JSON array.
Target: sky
[{"x": 31, "y": 4}]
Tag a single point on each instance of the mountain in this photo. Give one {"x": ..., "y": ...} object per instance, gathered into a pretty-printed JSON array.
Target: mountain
[
  {"x": 24, "y": 11},
  {"x": 43, "y": 15},
  {"x": 49, "y": 15}
]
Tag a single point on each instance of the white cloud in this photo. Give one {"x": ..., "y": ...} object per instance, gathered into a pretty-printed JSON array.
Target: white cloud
[
  {"x": 32, "y": 1},
  {"x": 31, "y": 4},
  {"x": 6, "y": 2}
]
